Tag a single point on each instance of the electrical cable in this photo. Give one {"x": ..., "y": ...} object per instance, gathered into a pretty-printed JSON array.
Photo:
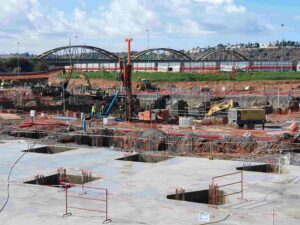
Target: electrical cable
[
  {"x": 221, "y": 220},
  {"x": 8, "y": 180}
]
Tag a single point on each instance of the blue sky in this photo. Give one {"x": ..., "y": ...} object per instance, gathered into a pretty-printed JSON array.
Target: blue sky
[{"x": 39, "y": 25}]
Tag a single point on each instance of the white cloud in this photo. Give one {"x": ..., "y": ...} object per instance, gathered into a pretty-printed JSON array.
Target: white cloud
[
  {"x": 228, "y": 6},
  {"x": 129, "y": 17},
  {"x": 235, "y": 9},
  {"x": 43, "y": 23},
  {"x": 178, "y": 7},
  {"x": 11, "y": 8}
]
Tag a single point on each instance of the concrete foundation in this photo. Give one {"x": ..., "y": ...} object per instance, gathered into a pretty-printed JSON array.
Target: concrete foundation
[{"x": 137, "y": 191}]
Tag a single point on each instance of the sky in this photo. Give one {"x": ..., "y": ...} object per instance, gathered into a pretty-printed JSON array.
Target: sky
[{"x": 40, "y": 25}]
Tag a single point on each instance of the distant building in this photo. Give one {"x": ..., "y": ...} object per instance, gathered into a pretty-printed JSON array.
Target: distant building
[
  {"x": 268, "y": 45},
  {"x": 196, "y": 50}
]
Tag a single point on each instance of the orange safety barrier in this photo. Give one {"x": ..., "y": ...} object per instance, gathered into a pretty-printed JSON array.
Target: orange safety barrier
[{"x": 28, "y": 76}]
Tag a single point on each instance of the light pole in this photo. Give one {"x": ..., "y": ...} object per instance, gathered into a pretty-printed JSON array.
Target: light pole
[
  {"x": 282, "y": 54},
  {"x": 147, "y": 30},
  {"x": 18, "y": 58},
  {"x": 76, "y": 37}
]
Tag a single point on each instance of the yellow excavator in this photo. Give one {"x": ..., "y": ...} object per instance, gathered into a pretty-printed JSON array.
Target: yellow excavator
[
  {"x": 220, "y": 107},
  {"x": 86, "y": 88},
  {"x": 144, "y": 84}
]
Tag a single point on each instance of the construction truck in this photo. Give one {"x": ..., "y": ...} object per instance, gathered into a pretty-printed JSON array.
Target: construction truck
[
  {"x": 247, "y": 116},
  {"x": 220, "y": 107},
  {"x": 143, "y": 85},
  {"x": 5, "y": 84},
  {"x": 159, "y": 115}
]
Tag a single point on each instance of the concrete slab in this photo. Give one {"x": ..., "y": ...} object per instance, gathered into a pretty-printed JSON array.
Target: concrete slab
[{"x": 137, "y": 191}]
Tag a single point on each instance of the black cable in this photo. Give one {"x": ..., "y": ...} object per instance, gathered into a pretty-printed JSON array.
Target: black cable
[{"x": 8, "y": 180}]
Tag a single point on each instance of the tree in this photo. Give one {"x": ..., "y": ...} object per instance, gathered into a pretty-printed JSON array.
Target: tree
[
  {"x": 24, "y": 64},
  {"x": 3, "y": 67},
  {"x": 220, "y": 46},
  {"x": 40, "y": 66}
]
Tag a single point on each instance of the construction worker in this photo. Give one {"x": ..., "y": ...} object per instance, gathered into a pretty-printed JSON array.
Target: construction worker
[
  {"x": 102, "y": 109},
  {"x": 93, "y": 109},
  {"x": 121, "y": 111},
  {"x": 106, "y": 94}
]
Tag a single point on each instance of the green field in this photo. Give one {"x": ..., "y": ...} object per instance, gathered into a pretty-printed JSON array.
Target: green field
[{"x": 177, "y": 77}]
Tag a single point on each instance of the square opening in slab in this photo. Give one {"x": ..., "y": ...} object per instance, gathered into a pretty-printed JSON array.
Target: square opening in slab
[
  {"x": 145, "y": 158},
  {"x": 49, "y": 149},
  {"x": 54, "y": 180},
  {"x": 204, "y": 197},
  {"x": 294, "y": 150},
  {"x": 263, "y": 168}
]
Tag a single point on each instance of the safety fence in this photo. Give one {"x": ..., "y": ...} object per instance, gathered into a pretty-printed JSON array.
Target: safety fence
[
  {"x": 75, "y": 200},
  {"x": 214, "y": 188}
]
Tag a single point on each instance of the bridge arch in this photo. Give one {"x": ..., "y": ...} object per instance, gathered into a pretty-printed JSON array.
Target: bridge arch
[
  {"x": 222, "y": 55},
  {"x": 161, "y": 54},
  {"x": 77, "y": 54}
]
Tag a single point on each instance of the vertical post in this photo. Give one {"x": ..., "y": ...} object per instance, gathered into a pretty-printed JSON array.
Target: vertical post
[
  {"x": 213, "y": 193},
  {"x": 106, "y": 206},
  {"x": 64, "y": 99},
  {"x": 205, "y": 103},
  {"x": 76, "y": 37},
  {"x": 242, "y": 185},
  {"x": 147, "y": 30},
  {"x": 282, "y": 26},
  {"x": 273, "y": 215},
  {"x": 82, "y": 179},
  {"x": 66, "y": 191},
  {"x": 217, "y": 196},
  {"x": 18, "y": 58},
  {"x": 278, "y": 98},
  {"x": 129, "y": 40},
  {"x": 279, "y": 166}
]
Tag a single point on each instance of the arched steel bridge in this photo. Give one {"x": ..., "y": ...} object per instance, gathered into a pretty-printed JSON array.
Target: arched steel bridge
[
  {"x": 221, "y": 55},
  {"x": 90, "y": 54},
  {"x": 161, "y": 54},
  {"x": 77, "y": 54}
]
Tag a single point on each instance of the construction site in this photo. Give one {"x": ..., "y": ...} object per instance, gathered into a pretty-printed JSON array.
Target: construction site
[{"x": 77, "y": 150}]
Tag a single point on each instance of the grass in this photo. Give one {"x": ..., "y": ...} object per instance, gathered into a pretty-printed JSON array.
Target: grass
[{"x": 177, "y": 77}]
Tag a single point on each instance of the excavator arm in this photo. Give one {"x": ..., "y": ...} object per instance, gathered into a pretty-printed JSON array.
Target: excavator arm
[
  {"x": 86, "y": 80},
  {"x": 219, "y": 107},
  {"x": 67, "y": 80}
]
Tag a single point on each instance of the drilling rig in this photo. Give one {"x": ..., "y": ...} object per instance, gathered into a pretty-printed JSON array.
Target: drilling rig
[{"x": 126, "y": 69}]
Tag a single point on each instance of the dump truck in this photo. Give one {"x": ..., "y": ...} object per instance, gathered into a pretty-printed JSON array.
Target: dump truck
[{"x": 247, "y": 116}]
